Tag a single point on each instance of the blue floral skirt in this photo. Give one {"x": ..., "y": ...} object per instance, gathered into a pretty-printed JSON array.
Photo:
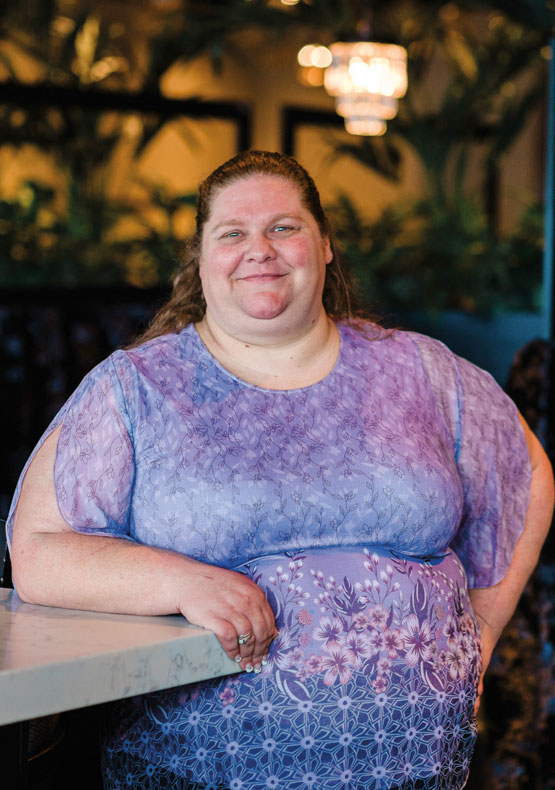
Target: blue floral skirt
[{"x": 371, "y": 685}]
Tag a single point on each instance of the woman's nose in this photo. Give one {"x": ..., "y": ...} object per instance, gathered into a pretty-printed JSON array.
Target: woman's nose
[{"x": 260, "y": 248}]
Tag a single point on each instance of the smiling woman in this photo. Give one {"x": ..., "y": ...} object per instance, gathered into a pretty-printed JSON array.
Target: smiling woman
[
  {"x": 271, "y": 259},
  {"x": 354, "y": 513},
  {"x": 263, "y": 266}
]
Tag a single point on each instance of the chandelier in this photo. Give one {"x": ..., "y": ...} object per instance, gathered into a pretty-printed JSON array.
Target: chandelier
[{"x": 367, "y": 79}]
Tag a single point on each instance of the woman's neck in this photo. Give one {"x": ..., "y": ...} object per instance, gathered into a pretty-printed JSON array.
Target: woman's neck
[{"x": 280, "y": 365}]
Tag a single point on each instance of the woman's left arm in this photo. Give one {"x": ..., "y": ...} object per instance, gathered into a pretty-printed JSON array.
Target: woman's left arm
[{"x": 495, "y": 605}]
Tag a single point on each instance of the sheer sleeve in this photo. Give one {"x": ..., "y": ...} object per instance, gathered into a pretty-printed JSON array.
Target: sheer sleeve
[
  {"x": 94, "y": 466},
  {"x": 492, "y": 460}
]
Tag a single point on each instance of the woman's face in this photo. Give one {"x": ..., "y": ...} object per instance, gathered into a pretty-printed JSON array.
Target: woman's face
[{"x": 263, "y": 259}]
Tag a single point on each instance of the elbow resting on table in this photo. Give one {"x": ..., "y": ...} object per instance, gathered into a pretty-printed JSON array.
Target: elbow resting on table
[{"x": 26, "y": 562}]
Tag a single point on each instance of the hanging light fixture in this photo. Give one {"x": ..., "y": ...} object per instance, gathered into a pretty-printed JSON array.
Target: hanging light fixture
[{"x": 367, "y": 79}]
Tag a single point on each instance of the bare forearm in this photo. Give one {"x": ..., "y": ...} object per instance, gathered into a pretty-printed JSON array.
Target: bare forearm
[{"x": 78, "y": 571}]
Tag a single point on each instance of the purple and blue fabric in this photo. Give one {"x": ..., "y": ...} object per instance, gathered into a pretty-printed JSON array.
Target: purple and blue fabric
[{"x": 365, "y": 506}]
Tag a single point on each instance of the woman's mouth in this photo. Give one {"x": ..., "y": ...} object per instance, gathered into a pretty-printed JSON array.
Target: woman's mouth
[{"x": 261, "y": 278}]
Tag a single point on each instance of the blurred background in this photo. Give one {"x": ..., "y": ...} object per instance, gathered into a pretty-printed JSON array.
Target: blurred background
[{"x": 111, "y": 113}]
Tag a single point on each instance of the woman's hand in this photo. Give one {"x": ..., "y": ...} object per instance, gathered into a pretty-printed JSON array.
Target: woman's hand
[{"x": 230, "y": 604}]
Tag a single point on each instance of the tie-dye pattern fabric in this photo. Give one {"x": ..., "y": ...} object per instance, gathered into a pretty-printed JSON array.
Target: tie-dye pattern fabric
[{"x": 364, "y": 505}]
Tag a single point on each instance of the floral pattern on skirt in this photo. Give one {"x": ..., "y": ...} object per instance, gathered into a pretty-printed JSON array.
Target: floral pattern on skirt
[{"x": 371, "y": 684}]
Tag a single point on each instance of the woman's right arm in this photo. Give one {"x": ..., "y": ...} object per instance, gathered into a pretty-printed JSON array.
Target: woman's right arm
[{"x": 56, "y": 566}]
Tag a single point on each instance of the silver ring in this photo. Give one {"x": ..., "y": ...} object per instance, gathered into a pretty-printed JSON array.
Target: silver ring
[{"x": 244, "y": 638}]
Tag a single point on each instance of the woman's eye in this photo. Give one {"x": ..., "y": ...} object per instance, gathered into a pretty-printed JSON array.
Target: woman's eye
[
  {"x": 232, "y": 234},
  {"x": 281, "y": 228}
]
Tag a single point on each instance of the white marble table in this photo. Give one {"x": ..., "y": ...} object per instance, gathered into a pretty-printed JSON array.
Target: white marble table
[{"x": 52, "y": 660}]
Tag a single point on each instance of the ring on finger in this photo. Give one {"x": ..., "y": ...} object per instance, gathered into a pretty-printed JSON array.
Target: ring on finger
[{"x": 242, "y": 639}]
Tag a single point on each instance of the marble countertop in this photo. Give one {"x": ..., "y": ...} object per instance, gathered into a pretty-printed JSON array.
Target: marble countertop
[{"x": 54, "y": 659}]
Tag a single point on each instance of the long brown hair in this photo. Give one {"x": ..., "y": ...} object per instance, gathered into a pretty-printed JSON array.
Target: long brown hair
[{"x": 186, "y": 304}]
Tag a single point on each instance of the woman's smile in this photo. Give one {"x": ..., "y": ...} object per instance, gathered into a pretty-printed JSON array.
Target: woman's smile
[
  {"x": 263, "y": 277},
  {"x": 263, "y": 259}
]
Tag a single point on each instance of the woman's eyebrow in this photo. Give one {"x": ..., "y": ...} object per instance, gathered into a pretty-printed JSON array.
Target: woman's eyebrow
[
  {"x": 227, "y": 222},
  {"x": 273, "y": 218}
]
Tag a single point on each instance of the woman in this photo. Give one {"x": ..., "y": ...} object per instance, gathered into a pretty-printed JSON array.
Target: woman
[{"x": 260, "y": 461}]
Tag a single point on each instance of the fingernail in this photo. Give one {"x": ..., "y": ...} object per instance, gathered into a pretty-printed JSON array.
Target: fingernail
[
  {"x": 238, "y": 659},
  {"x": 257, "y": 668},
  {"x": 264, "y": 661},
  {"x": 249, "y": 668}
]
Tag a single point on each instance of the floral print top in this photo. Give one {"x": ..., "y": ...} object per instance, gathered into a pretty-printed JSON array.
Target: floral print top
[{"x": 364, "y": 505}]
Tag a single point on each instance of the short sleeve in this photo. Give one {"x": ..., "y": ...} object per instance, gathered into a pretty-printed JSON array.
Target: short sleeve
[
  {"x": 492, "y": 461},
  {"x": 94, "y": 466}
]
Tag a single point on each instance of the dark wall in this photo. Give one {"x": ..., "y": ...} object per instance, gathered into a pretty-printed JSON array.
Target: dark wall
[{"x": 48, "y": 341}]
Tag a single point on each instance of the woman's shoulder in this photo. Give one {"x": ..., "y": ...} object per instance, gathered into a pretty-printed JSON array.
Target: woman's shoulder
[
  {"x": 158, "y": 346},
  {"x": 386, "y": 340},
  {"x": 153, "y": 354},
  {"x": 123, "y": 370}
]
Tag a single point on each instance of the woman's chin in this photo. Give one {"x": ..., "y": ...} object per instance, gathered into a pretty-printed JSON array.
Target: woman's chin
[
  {"x": 265, "y": 307},
  {"x": 264, "y": 315}
]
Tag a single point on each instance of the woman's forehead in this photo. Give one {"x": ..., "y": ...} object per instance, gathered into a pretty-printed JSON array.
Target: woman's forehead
[{"x": 256, "y": 187}]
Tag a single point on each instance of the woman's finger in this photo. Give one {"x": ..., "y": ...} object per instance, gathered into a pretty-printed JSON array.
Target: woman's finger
[
  {"x": 253, "y": 644},
  {"x": 224, "y": 630}
]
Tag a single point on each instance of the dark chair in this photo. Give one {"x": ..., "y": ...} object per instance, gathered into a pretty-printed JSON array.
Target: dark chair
[{"x": 5, "y": 563}]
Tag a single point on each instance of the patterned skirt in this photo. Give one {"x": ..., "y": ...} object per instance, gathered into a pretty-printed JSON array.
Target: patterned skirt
[{"x": 371, "y": 685}]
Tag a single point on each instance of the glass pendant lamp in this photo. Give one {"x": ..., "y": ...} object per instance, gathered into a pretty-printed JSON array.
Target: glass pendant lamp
[{"x": 367, "y": 79}]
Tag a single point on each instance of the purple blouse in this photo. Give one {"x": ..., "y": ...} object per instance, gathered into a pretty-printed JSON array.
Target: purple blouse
[
  {"x": 353, "y": 503},
  {"x": 403, "y": 445}
]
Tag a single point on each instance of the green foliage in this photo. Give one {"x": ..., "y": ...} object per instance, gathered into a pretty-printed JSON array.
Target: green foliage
[
  {"x": 66, "y": 233},
  {"x": 41, "y": 246},
  {"x": 430, "y": 257},
  {"x": 479, "y": 100},
  {"x": 441, "y": 251}
]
